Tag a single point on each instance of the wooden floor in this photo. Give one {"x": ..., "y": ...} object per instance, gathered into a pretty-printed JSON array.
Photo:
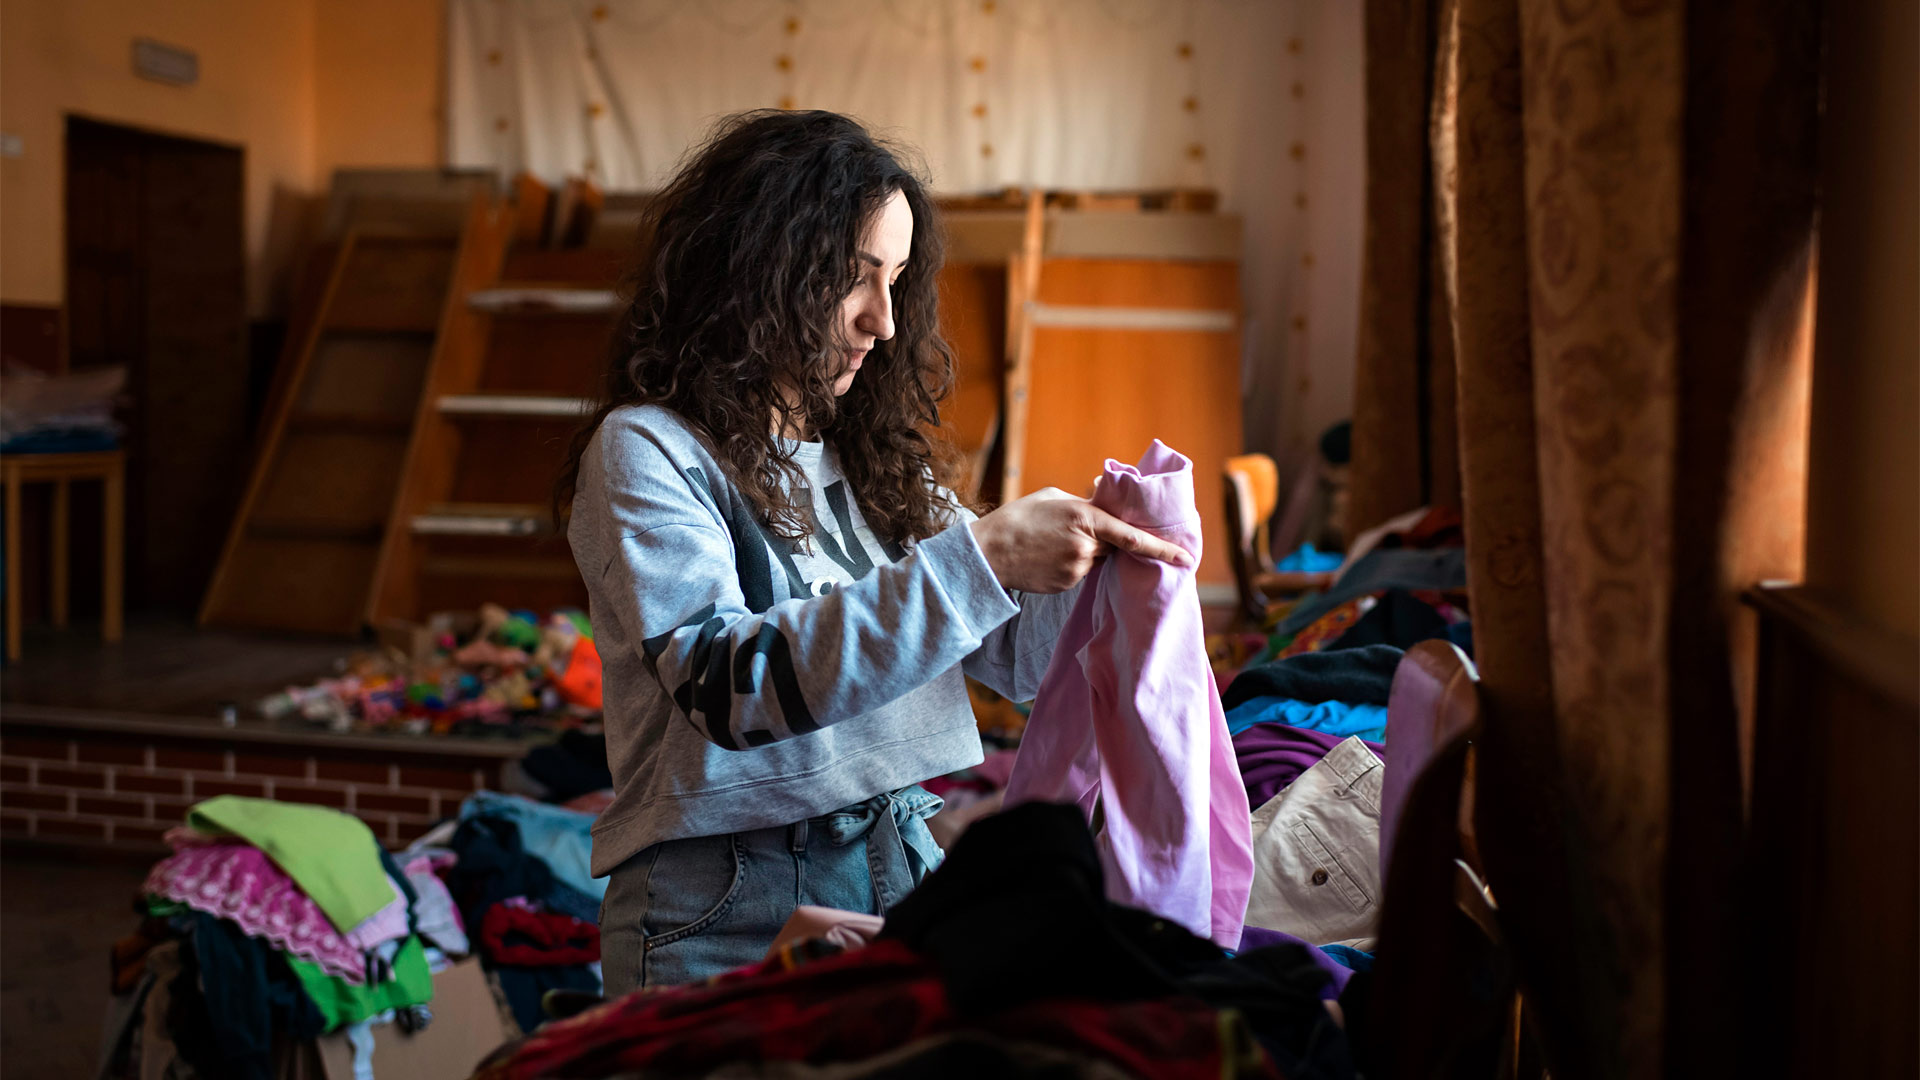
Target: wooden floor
[
  {"x": 163, "y": 667},
  {"x": 58, "y": 918}
]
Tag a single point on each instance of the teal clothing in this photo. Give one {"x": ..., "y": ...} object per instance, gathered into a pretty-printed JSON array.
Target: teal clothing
[
  {"x": 342, "y": 1002},
  {"x": 332, "y": 856}
]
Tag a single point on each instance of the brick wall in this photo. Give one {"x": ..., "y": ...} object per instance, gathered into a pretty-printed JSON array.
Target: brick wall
[{"x": 125, "y": 790}]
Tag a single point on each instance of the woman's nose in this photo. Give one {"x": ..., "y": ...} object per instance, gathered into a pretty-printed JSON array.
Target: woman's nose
[{"x": 876, "y": 316}]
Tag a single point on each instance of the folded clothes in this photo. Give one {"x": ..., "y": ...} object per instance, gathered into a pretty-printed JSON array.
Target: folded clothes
[
  {"x": 1332, "y": 717},
  {"x": 1403, "y": 568},
  {"x": 493, "y": 866},
  {"x": 1259, "y": 937},
  {"x": 239, "y": 882},
  {"x": 433, "y": 910},
  {"x": 1362, "y": 676},
  {"x": 522, "y": 934},
  {"x": 1272, "y": 756},
  {"x": 561, "y": 838},
  {"x": 332, "y": 856}
]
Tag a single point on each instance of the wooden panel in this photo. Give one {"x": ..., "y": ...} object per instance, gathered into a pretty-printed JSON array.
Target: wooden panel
[
  {"x": 510, "y": 461},
  {"x": 463, "y": 572},
  {"x": 333, "y": 477},
  {"x": 1097, "y": 394},
  {"x": 599, "y": 267},
  {"x": 426, "y": 470},
  {"x": 546, "y": 354},
  {"x": 30, "y": 337},
  {"x": 973, "y": 317},
  {"x": 366, "y": 375},
  {"x": 393, "y": 284},
  {"x": 1834, "y": 842},
  {"x": 326, "y": 596}
]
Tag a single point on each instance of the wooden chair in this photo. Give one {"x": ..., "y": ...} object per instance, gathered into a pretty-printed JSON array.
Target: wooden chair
[
  {"x": 1445, "y": 1002},
  {"x": 1252, "y": 490}
]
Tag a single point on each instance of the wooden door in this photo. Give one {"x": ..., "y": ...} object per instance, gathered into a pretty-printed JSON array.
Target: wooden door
[{"x": 156, "y": 281}]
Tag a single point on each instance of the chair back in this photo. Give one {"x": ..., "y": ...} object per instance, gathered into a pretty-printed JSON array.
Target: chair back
[
  {"x": 1252, "y": 490},
  {"x": 1445, "y": 1001}
]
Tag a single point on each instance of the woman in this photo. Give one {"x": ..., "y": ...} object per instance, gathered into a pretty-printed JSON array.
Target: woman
[{"x": 783, "y": 598}]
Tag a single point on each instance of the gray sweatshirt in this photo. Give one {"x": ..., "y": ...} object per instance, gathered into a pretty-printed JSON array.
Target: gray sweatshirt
[{"x": 752, "y": 682}]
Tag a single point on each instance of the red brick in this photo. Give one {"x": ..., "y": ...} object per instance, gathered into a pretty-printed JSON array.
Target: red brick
[
  {"x": 405, "y": 832},
  {"x": 13, "y": 774},
  {"x": 54, "y": 777},
  {"x": 150, "y": 785},
  {"x": 317, "y": 796},
  {"x": 293, "y": 768},
  {"x": 357, "y": 772},
  {"x": 207, "y": 789},
  {"x": 89, "y": 830},
  {"x": 190, "y": 757},
  {"x": 13, "y": 823},
  {"x": 170, "y": 812},
  {"x": 398, "y": 803},
  {"x": 124, "y": 808},
  {"x": 113, "y": 752},
  {"x": 45, "y": 749},
  {"x": 147, "y": 835},
  {"x": 33, "y": 800},
  {"x": 428, "y": 776}
]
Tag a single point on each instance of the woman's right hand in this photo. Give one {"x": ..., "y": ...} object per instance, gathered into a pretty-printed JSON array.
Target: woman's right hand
[{"x": 1047, "y": 541}]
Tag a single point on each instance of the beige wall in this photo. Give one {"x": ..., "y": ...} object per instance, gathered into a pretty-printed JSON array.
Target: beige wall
[
  {"x": 302, "y": 85},
  {"x": 378, "y": 71}
]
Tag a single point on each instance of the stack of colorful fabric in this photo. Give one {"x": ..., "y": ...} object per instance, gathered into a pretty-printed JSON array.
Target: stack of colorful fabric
[
  {"x": 280, "y": 921},
  {"x": 522, "y": 876},
  {"x": 1008, "y": 960},
  {"x": 514, "y": 670}
]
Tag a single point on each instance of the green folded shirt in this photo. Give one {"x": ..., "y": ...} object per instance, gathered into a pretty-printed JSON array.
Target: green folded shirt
[
  {"x": 342, "y": 1002},
  {"x": 332, "y": 856}
]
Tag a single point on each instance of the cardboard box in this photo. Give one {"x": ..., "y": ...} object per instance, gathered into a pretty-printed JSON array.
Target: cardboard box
[{"x": 466, "y": 1028}]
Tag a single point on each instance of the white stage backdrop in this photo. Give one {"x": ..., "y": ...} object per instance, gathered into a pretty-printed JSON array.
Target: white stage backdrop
[{"x": 1259, "y": 99}]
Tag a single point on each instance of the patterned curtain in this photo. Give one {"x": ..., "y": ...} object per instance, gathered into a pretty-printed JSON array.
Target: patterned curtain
[{"x": 1601, "y": 236}]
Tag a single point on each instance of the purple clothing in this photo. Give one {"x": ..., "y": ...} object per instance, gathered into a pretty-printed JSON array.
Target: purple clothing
[
  {"x": 1257, "y": 937},
  {"x": 1274, "y": 755},
  {"x": 1128, "y": 717}
]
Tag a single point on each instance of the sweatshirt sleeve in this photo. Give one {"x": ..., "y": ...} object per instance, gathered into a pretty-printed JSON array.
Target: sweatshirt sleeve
[
  {"x": 745, "y": 678},
  {"x": 1014, "y": 657}
]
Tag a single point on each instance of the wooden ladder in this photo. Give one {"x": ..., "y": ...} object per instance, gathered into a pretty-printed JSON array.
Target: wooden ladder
[
  {"x": 302, "y": 549},
  {"x": 516, "y": 369}
]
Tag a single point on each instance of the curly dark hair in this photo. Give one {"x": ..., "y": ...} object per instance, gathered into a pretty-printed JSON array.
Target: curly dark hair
[{"x": 734, "y": 322}]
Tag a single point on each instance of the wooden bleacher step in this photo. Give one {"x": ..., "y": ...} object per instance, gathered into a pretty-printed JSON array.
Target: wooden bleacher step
[
  {"x": 304, "y": 546},
  {"x": 544, "y": 300},
  {"x": 521, "y": 351},
  {"x": 545, "y": 406},
  {"x": 481, "y": 519}
]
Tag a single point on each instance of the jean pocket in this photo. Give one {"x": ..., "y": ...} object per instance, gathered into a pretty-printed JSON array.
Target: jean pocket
[{"x": 689, "y": 887}]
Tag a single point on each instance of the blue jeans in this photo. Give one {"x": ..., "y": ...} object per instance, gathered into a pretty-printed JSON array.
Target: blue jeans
[{"x": 684, "y": 910}]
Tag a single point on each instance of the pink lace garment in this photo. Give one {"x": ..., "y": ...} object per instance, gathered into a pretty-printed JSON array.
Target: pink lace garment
[
  {"x": 238, "y": 882},
  {"x": 1127, "y": 717}
]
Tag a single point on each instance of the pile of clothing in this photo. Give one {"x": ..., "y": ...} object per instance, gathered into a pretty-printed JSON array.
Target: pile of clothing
[
  {"x": 1402, "y": 583},
  {"x": 1008, "y": 960},
  {"x": 500, "y": 671},
  {"x": 59, "y": 414},
  {"x": 520, "y": 873},
  {"x": 1309, "y": 726},
  {"x": 273, "y": 922}
]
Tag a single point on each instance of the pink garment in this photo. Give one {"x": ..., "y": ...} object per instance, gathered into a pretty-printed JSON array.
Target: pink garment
[
  {"x": 847, "y": 929},
  {"x": 387, "y": 924},
  {"x": 239, "y": 882},
  {"x": 1128, "y": 718}
]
